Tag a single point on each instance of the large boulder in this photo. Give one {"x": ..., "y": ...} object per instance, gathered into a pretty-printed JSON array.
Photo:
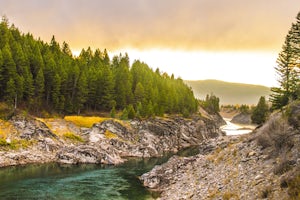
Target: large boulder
[
  {"x": 162, "y": 175},
  {"x": 242, "y": 118}
]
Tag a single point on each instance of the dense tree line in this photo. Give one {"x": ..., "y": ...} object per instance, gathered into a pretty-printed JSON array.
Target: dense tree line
[
  {"x": 288, "y": 69},
  {"x": 36, "y": 75}
]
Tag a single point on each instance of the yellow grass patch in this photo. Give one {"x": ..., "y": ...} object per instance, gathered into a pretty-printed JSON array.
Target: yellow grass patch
[
  {"x": 6, "y": 128},
  {"x": 110, "y": 135},
  {"x": 82, "y": 121}
]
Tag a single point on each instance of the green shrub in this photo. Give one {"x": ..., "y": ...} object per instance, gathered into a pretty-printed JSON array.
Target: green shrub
[{"x": 3, "y": 142}]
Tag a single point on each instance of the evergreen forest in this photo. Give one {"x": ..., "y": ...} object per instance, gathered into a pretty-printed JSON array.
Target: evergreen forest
[{"x": 37, "y": 76}]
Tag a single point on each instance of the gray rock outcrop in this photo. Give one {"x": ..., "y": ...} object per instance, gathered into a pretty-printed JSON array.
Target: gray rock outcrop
[
  {"x": 230, "y": 167},
  {"x": 106, "y": 142},
  {"x": 262, "y": 165},
  {"x": 242, "y": 118}
]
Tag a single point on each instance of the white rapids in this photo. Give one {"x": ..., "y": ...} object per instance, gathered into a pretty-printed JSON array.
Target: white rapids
[{"x": 236, "y": 129}]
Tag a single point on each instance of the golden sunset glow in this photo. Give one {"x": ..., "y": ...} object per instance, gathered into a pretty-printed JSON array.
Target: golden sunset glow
[
  {"x": 195, "y": 39},
  {"x": 222, "y": 65}
]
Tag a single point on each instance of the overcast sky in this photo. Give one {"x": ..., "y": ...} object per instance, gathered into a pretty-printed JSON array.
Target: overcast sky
[{"x": 179, "y": 25}]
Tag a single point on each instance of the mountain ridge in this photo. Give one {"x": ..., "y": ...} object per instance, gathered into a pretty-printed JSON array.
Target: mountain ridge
[{"x": 229, "y": 92}]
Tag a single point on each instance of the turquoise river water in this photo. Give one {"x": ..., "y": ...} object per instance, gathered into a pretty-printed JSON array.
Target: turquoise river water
[{"x": 86, "y": 181}]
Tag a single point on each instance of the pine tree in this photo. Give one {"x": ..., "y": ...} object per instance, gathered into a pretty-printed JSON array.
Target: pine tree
[
  {"x": 10, "y": 91},
  {"x": 93, "y": 85},
  {"x": 8, "y": 68},
  {"x": 139, "y": 93},
  {"x": 296, "y": 49},
  {"x": 19, "y": 83},
  {"x": 21, "y": 65},
  {"x": 139, "y": 110},
  {"x": 55, "y": 93},
  {"x": 131, "y": 111},
  {"x": 4, "y": 32},
  {"x": 39, "y": 89},
  {"x": 36, "y": 59},
  {"x": 49, "y": 74},
  {"x": 81, "y": 94},
  {"x": 260, "y": 112},
  {"x": 66, "y": 49},
  {"x": 288, "y": 69},
  {"x": 1, "y": 75},
  {"x": 107, "y": 87},
  {"x": 113, "y": 110},
  {"x": 54, "y": 46},
  {"x": 280, "y": 96},
  {"x": 150, "y": 110},
  {"x": 18, "y": 57},
  {"x": 28, "y": 85},
  {"x": 106, "y": 59},
  {"x": 124, "y": 115},
  {"x": 123, "y": 82}
]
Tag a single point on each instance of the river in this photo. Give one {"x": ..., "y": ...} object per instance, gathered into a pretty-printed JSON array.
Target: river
[
  {"x": 86, "y": 181},
  {"x": 236, "y": 129}
]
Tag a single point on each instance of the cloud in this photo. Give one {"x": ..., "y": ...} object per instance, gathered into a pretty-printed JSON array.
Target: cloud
[{"x": 190, "y": 24}]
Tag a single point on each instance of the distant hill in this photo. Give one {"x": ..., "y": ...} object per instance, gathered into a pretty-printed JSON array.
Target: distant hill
[{"x": 229, "y": 93}]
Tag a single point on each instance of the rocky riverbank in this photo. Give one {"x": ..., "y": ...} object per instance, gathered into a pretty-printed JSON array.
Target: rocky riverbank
[
  {"x": 227, "y": 167},
  {"x": 34, "y": 140},
  {"x": 264, "y": 164}
]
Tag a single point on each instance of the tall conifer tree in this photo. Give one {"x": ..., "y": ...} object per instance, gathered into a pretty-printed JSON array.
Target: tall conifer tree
[{"x": 288, "y": 69}]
